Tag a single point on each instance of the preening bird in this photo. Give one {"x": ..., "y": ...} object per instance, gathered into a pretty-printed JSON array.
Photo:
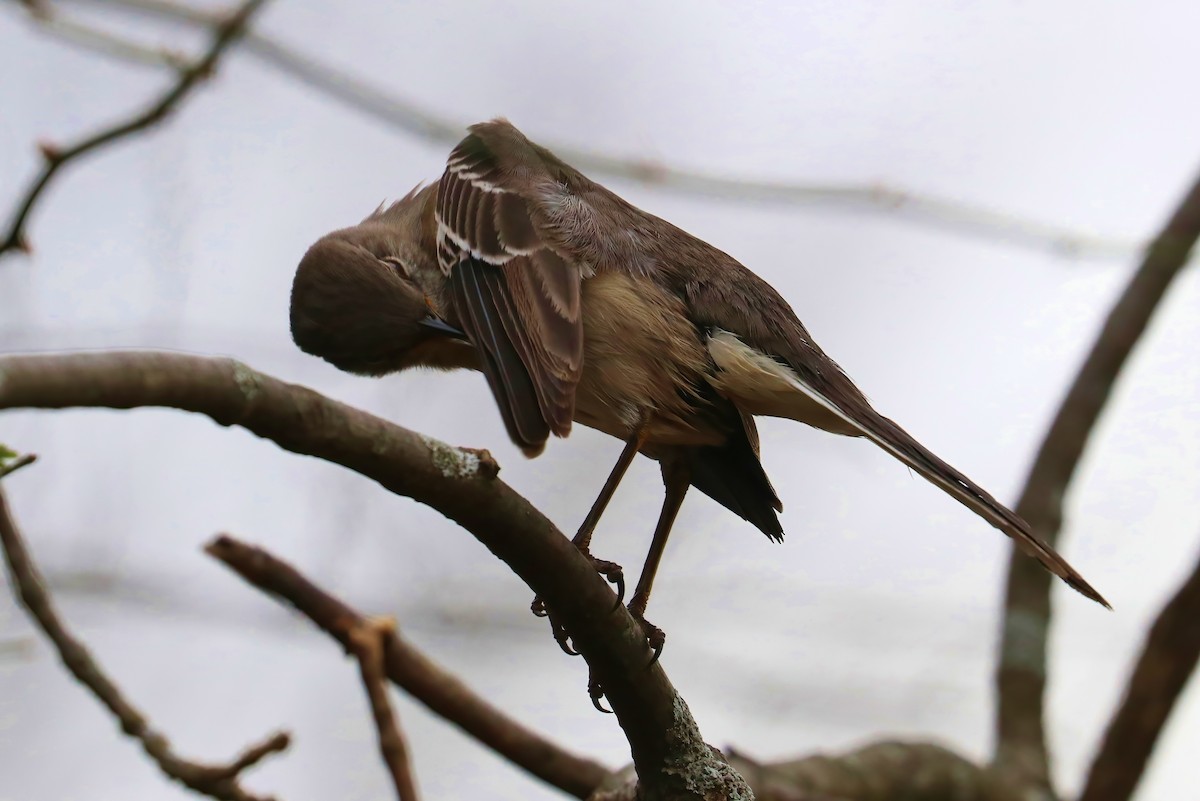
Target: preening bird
[{"x": 580, "y": 307}]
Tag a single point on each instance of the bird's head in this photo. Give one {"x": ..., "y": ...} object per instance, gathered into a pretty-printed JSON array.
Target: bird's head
[{"x": 361, "y": 299}]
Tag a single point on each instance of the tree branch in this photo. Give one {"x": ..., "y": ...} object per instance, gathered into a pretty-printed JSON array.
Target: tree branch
[
  {"x": 217, "y": 781},
  {"x": 368, "y": 642},
  {"x": 7, "y": 468},
  {"x": 1021, "y": 674},
  {"x": 926, "y": 210},
  {"x": 411, "y": 670},
  {"x": 98, "y": 40},
  {"x": 1168, "y": 658},
  {"x": 226, "y": 31},
  {"x": 672, "y": 760},
  {"x": 888, "y": 770},
  {"x": 882, "y": 771}
]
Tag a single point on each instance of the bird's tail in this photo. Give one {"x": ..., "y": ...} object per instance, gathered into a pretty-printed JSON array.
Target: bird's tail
[
  {"x": 732, "y": 475},
  {"x": 898, "y": 442}
]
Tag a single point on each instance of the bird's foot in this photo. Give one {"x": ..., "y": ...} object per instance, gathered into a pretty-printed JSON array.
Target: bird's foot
[
  {"x": 656, "y": 638},
  {"x": 596, "y": 693},
  {"x": 610, "y": 570}
]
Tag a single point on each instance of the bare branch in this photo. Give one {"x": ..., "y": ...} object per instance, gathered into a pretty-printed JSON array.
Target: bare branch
[
  {"x": 1168, "y": 659},
  {"x": 1021, "y": 674},
  {"x": 921, "y": 209},
  {"x": 888, "y": 770},
  {"x": 98, "y": 40},
  {"x": 227, "y": 30},
  {"x": 217, "y": 781},
  {"x": 411, "y": 670},
  {"x": 7, "y": 468},
  {"x": 368, "y": 642},
  {"x": 671, "y": 757}
]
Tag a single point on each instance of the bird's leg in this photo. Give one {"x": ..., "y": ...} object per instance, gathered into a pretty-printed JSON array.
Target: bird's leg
[
  {"x": 677, "y": 480},
  {"x": 583, "y": 538}
]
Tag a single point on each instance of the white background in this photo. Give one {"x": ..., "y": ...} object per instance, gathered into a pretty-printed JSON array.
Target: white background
[{"x": 877, "y": 616}]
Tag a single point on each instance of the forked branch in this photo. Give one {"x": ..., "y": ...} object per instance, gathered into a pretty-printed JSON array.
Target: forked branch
[
  {"x": 55, "y": 158},
  {"x": 412, "y": 671},
  {"x": 673, "y": 761},
  {"x": 217, "y": 781},
  {"x": 1021, "y": 675}
]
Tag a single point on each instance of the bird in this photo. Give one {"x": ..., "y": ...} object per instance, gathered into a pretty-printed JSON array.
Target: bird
[
  {"x": 372, "y": 300},
  {"x": 579, "y": 307}
]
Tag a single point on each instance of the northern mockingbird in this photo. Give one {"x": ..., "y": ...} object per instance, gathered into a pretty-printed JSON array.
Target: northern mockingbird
[{"x": 579, "y": 307}]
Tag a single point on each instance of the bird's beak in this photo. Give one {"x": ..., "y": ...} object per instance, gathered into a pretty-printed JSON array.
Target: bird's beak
[{"x": 442, "y": 327}]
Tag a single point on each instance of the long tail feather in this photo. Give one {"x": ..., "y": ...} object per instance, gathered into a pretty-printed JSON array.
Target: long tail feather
[{"x": 898, "y": 442}]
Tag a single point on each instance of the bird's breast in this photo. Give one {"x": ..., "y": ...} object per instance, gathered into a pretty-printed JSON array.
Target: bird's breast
[{"x": 642, "y": 356}]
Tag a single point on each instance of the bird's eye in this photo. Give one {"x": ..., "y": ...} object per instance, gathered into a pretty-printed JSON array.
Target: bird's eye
[{"x": 398, "y": 265}]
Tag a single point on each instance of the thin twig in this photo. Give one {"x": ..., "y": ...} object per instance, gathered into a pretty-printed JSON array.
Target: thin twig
[
  {"x": 1021, "y": 673},
  {"x": 368, "y": 642},
  {"x": 1168, "y": 659},
  {"x": 411, "y": 670},
  {"x": 16, "y": 648},
  {"x": 671, "y": 756},
  {"x": 227, "y": 30},
  {"x": 8, "y": 468},
  {"x": 216, "y": 781},
  {"x": 918, "y": 208},
  {"x": 105, "y": 42}
]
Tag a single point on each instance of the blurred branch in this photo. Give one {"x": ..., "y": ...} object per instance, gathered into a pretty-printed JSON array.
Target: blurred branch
[
  {"x": 99, "y": 40},
  {"x": 8, "y": 467},
  {"x": 217, "y": 781},
  {"x": 1021, "y": 674},
  {"x": 882, "y": 771},
  {"x": 672, "y": 760},
  {"x": 921, "y": 209},
  {"x": 16, "y": 648},
  {"x": 369, "y": 641},
  {"x": 411, "y": 670},
  {"x": 226, "y": 29},
  {"x": 887, "y": 770},
  {"x": 1168, "y": 659}
]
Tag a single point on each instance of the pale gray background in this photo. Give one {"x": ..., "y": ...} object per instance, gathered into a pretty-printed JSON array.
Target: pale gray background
[{"x": 878, "y": 616}]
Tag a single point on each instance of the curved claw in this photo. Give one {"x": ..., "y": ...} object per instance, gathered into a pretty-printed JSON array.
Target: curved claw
[
  {"x": 596, "y": 692},
  {"x": 657, "y": 653},
  {"x": 561, "y": 636},
  {"x": 538, "y": 607},
  {"x": 619, "y": 580},
  {"x": 564, "y": 642},
  {"x": 656, "y": 638}
]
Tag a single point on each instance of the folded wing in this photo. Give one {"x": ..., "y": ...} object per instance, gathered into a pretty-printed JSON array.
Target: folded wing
[{"x": 518, "y": 298}]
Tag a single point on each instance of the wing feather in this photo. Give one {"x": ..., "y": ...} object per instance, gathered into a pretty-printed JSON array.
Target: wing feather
[
  {"x": 522, "y": 296},
  {"x": 512, "y": 386}
]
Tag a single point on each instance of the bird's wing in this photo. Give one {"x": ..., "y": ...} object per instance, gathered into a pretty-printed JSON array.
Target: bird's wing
[
  {"x": 517, "y": 296},
  {"x": 768, "y": 364}
]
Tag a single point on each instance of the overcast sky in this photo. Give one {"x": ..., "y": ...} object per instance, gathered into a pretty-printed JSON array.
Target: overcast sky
[{"x": 876, "y": 617}]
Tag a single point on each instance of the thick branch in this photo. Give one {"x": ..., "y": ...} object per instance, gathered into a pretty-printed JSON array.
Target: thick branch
[
  {"x": 369, "y": 642},
  {"x": 1021, "y": 677},
  {"x": 1168, "y": 659},
  {"x": 411, "y": 670},
  {"x": 671, "y": 758},
  {"x": 881, "y": 771},
  {"x": 225, "y": 33},
  {"x": 217, "y": 781}
]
